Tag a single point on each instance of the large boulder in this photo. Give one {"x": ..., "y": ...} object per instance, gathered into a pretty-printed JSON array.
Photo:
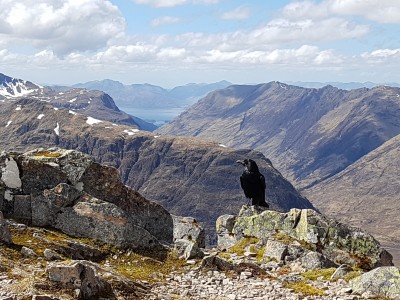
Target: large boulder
[
  {"x": 337, "y": 242},
  {"x": 383, "y": 282},
  {"x": 67, "y": 190}
]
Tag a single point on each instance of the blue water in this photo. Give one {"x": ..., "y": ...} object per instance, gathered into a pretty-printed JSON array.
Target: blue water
[{"x": 155, "y": 116}]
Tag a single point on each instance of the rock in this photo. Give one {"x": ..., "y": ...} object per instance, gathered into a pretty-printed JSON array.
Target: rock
[
  {"x": 341, "y": 271},
  {"x": 51, "y": 255},
  {"x": 224, "y": 227},
  {"x": 5, "y": 236},
  {"x": 383, "y": 281},
  {"x": 81, "y": 198},
  {"x": 81, "y": 276},
  {"x": 314, "y": 260},
  {"x": 338, "y": 242},
  {"x": 28, "y": 252},
  {"x": 47, "y": 205},
  {"x": 188, "y": 249},
  {"x": 215, "y": 262},
  {"x": 104, "y": 221},
  {"x": 275, "y": 250},
  {"x": 187, "y": 228}
]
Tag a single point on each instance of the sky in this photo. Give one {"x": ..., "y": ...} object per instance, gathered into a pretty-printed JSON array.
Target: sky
[{"x": 175, "y": 42}]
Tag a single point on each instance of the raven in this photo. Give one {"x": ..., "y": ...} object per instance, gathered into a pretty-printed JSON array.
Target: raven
[{"x": 253, "y": 182}]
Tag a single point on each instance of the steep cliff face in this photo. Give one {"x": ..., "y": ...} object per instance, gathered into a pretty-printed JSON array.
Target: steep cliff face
[{"x": 187, "y": 176}]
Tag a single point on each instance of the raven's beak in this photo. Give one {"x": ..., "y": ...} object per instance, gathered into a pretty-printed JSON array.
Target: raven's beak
[{"x": 240, "y": 162}]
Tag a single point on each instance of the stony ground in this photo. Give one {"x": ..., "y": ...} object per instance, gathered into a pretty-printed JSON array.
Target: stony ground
[{"x": 196, "y": 284}]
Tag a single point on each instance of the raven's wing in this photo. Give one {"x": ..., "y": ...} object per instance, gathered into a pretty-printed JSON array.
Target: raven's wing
[
  {"x": 262, "y": 180},
  {"x": 244, "y": 183}
]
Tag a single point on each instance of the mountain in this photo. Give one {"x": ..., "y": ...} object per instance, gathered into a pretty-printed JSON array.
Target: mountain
[
  {"x": 95, "y": 104},
  {"x": 186, "y": 175},
  {"x": 310, "y": 134},
  {"x": 12, "y": 87},
  {"x": 367, "y": 193},
  {"x": 340, "y": 85},
  {"x": 151, "y": 96}
]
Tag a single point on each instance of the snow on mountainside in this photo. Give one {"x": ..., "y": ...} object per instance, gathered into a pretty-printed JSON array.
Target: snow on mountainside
[{"x": 13, "y": 87}]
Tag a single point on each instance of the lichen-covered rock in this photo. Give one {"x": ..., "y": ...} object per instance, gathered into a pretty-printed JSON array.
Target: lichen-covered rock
[
  {"x": 67, "y": 190},
  {"x": 383, "y": 281},
  {"x": 337, "y": 242},
  {"x": 188, "y": 249},
  {"x": 5, "y": 236}
]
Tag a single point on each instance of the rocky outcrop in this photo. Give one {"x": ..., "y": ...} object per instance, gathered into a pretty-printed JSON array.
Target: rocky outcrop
[
  {"x": 67, "y": 190},
  {"x": 324, "y": 241},
  {"x": 380, "y": 282}
]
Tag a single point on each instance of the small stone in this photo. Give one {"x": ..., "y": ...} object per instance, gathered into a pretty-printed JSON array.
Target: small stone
[
  {"x": 231, "y": 297},
  {"x": 51, "y": 255},
  {"x": 28, "y": 252}
]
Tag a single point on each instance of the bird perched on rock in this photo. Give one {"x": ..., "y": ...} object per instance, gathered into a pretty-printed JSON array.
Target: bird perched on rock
[{"x": 253, "y": 182}]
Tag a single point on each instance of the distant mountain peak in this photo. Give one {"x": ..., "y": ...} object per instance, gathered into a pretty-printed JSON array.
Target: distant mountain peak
[{"x": 12, "y": 87}]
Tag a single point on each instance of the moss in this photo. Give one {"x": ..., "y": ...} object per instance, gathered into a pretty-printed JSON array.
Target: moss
[
  {"x": 315, "y": 274},
  {"x": 351, "y": 275},
  {"x": 136, "y": 266},
  {"x": 304, "y": 289},
  {"x": 47, "y": 154},
  {"x": 240, "y": 247}
]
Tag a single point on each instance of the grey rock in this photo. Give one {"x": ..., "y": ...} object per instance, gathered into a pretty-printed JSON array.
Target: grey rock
[
  {"x": 5, "y": 236},
  {"x": 51, "y": 255},
  {"x": 28, "y": 252},
  {"x": 188, "y": 249},
  {"x": 81, "y": 276},
  {"x": 314, "y": 260},
  {"x": 224, "y": 227},
  {"x": 188, "y": 228},
  {"x": 275, "y": 250},
  {"x": 104, "y": 221},
  {"x": 383, "y": 281}
]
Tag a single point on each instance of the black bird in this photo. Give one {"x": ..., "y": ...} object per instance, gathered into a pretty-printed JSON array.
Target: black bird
[{"x": 253, "y": 182}]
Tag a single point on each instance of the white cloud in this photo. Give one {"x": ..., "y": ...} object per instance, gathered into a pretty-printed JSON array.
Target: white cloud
[
  {"x": 240, "y": 13},
  {"x": 165, "y": 20},
  {"x": 382, "y": 56},
  {"x": 173, "y": 3},
  {"x": 381, "y": 11},
  {"x": 61, "y": 25},
  {"x": 161, "y": 3}
]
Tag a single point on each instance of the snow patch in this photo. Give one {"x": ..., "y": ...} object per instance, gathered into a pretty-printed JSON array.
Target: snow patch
[
  {"x": 57, "y": 129},
  {"x": 40, "y": 116},
  {"x": 18, "y": 107},
  {"x": 92, "y": 121},
  {"x": 8, "y": 123},
  {"x": 156, "y": 136},
  {"x": 72, "y": 100},
  {"x": 55, "y": 108},
  {"x": 223, "y": 146},
  {"x": 72, "y": 112},
  {"x": 131, "y": 131}
]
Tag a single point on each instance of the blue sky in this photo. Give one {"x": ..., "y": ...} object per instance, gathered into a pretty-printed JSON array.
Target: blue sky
[{"x": 175, "y": 42}]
